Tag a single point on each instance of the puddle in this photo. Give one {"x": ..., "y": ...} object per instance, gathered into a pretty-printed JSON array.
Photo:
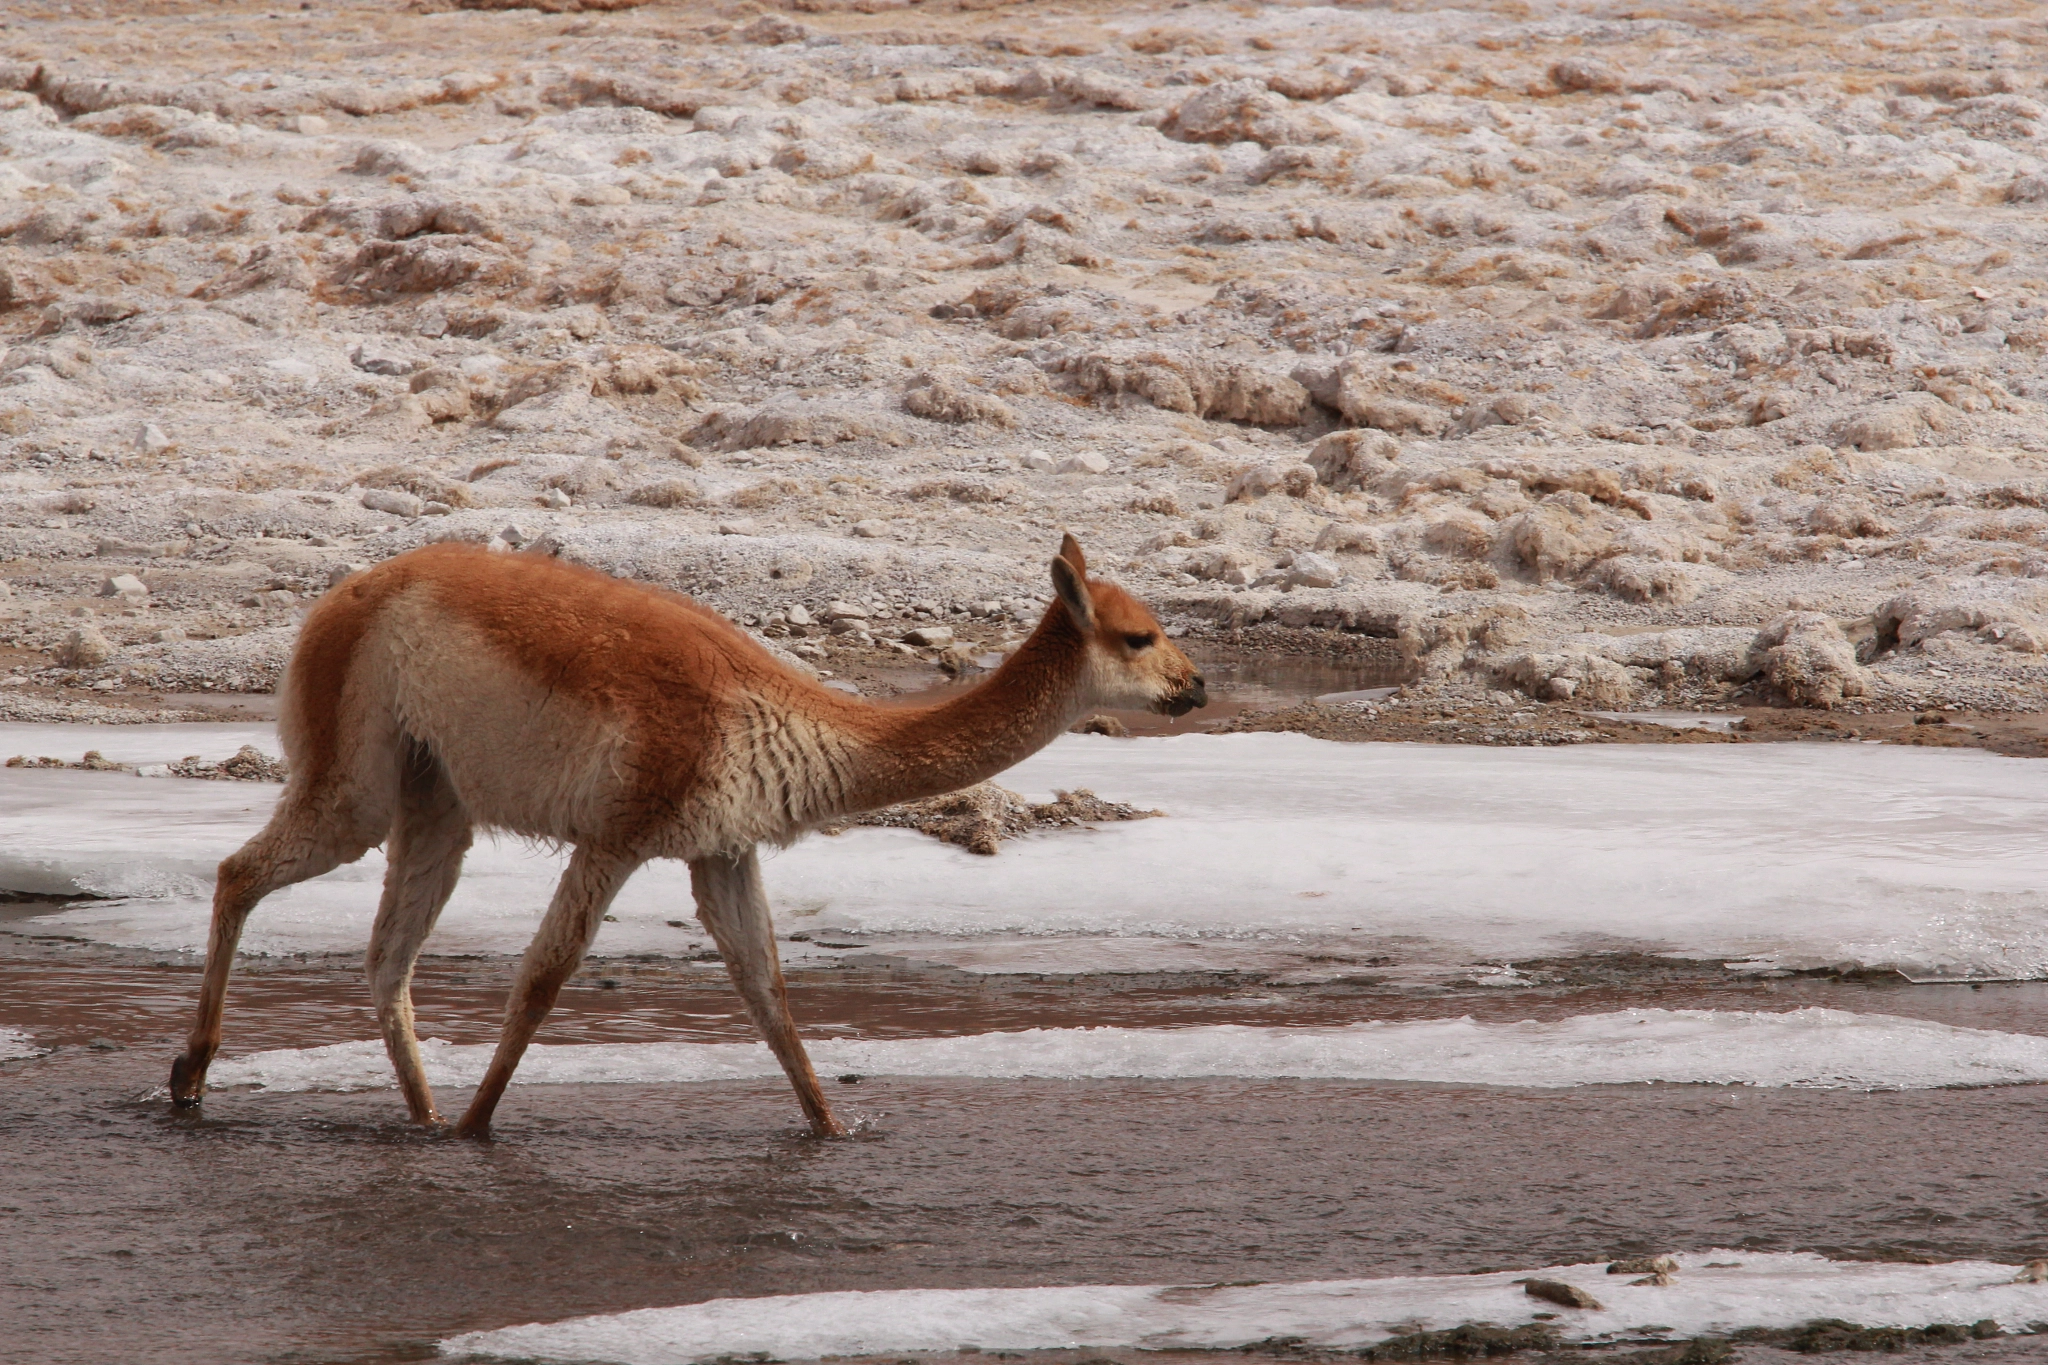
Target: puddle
[
  {"x": 1720, "y": 722},
  {"x": 1236, "y": 684}
]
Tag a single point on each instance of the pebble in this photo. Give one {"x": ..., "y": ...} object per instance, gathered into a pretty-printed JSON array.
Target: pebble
[
  {"x": 798, "y": 615},
  {"x": 1089, "y": 463}
]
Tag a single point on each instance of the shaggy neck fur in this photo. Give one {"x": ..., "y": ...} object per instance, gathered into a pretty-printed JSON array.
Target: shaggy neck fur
[{"x": 902, "y": 755}]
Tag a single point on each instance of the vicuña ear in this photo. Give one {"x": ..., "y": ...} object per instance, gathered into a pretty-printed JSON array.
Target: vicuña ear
[
  {"x": 1070, "y": 550},
  {"x": 1073, "y": 592}
]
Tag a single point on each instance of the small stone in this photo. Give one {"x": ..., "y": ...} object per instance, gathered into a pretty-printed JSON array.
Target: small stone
[
  {"x": 1090, "y": 463},
  {"x": 339, "y": 572},
  {"x": 1560, "y": 1293},
  {"x": 845, "y": 611},
  {"x": 84, "y": 648},
  {"x": 871, "y": 529},
  {"x": 2033, "y": 1272},
  {"x": 125, "y": 586},
  {"x": 553, "y": 498},
  {"x": 151, "y": 439},
  {"x": 436, "y": 509},
  {"x": 394, "y": 501},
  {"x": 170, "y": 635},
  {"x": 1311, "y": 570},
  {"x": 736, "y": 528},
  {"x": 1644, "y": 1265},
  {"x": 309, "y": 125},
  {"x": 1238, "y": 576},
  {"x": 930, "y": 637},
  {"x": 274, "y": 597},
  {"x": 374, "y": 363},
  {"x": 515, "y": 535},
  {"x": 799, "y": 615},
  {"x": 1038, "y": 462}
]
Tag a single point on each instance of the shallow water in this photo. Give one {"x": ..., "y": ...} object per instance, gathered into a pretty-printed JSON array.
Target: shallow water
[{"x": 321, "y": 1225}]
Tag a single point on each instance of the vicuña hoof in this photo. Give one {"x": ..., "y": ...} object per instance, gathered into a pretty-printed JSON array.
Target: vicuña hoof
[{"x": 188, "y": 1082}]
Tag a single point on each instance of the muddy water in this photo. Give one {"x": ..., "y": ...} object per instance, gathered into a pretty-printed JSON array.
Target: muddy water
[
  {"x": 320, "y": 1227},
  {"x": 312, "y": 1227}
]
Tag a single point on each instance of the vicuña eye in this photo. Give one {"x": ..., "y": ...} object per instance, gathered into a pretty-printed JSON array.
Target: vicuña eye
[{"x": 1138, "y": 642}]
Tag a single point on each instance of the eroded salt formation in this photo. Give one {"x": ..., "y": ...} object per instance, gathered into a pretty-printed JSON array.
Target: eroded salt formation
[{"x": 1615, "y": 354}]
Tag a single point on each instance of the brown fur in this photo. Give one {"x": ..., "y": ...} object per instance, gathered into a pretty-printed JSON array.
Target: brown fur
[{"x": 452, "y": 687}]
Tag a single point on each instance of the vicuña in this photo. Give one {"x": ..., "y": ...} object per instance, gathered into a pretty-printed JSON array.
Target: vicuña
[{"x": 452, "y": 688}]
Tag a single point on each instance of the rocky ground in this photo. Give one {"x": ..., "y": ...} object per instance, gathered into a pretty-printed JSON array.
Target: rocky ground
[{"x": 1554, "y": 357}]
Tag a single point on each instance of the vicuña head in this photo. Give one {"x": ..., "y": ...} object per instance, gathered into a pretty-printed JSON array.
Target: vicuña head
[{"x": 452, "y": 688}]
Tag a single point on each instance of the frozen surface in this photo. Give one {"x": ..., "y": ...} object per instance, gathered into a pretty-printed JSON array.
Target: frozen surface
[
  {"x": 1807, "y": 1047},
  {"x": 14, "y": 1043},
  {"x": 1275, "y": 847},
  {"x": 1743, "y": 1291},
  {"x": 135, "y": 744}
]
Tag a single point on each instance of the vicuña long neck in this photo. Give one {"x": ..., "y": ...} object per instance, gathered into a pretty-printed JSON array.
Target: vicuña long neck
[{"x": 1021, "y": 708}]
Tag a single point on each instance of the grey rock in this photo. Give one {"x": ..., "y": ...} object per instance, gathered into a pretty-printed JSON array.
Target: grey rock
[
  {"x": 84, "y": 647},
  {"x": 1560, "y": 1293},
  {"x": 1311, "y": 570},
  {"x": 395, "y": 501},
  {"x": 125, "y": 586}
]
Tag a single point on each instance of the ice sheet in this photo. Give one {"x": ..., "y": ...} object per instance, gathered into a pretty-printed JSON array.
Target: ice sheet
[
  {"x": 1276, "y": 848},
  {"x": 1806, "y": 1047},
  {"x": 1781, "y": 1290},
  {"x": 134, "y": 743}
]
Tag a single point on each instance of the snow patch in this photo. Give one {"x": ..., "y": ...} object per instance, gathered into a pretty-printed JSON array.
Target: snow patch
[
  {"x": 14, "y": 1045},
  {"x": 1803, "y": 1048},
  {"x": 1715, "y": 1292}
]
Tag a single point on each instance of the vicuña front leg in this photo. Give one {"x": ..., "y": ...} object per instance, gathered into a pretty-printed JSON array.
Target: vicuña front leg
[
  {"x": 424, "y": 857},
  {"x": 585, "y": 892},
  {"x": 294, "y": 846},
  {"x": 734, "y": 907}
]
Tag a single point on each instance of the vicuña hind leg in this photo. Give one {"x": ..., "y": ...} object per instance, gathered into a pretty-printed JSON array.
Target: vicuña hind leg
[
  {"x": 428, "y": 838},
  {"x": 734, "y": 907},
  {"x": 296, "y": 845},
  {"x": 586, "y": 890}
]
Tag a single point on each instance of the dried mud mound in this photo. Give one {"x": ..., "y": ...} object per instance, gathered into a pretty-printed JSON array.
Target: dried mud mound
[
  {"x": 981, "y": 817},
  {"x": 1510, "y": 337}
]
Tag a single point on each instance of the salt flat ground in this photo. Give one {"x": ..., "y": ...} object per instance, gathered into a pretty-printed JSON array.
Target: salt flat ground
[
  {"x": 1547, "y": 1008},
  {"x": 1631, "y": 356}
]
